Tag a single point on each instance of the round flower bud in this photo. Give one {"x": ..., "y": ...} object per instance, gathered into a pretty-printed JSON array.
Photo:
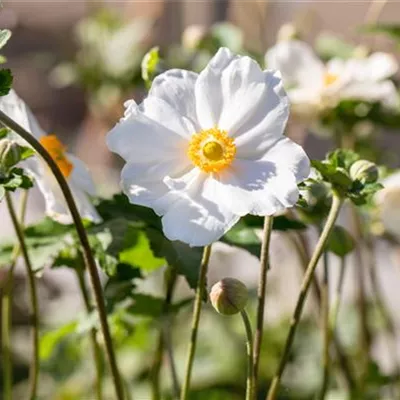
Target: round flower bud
[
  {"x": 193, "y": 35},
  {"x": 365, "y": 171},
  {"x": 229, "y": 296},
  {"x": 10, "y": 155}
]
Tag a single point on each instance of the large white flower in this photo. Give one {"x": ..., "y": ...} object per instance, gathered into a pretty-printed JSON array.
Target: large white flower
[
  {"x": 388, "y": 201},
  {"x": 204, "y": 149},
  {"x": 313, "y": 86},
  {"x": 73, "y": 169}
]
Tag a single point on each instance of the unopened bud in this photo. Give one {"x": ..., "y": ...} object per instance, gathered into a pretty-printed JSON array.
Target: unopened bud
[
  {"x": 193, "y": 35},
  {"x": 10, "y": 155},
  {"x": 229, "y": 296},
  {"x": 364, "y": 171}
]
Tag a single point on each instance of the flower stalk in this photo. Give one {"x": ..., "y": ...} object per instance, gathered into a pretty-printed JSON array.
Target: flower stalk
[
  {"x": 249, "y": 346},
  {"x": 6, "y": 309},
  {"x": 195, "y": 322},
  {"x": 34, "y": 368},
  {"x": 87, "y": 252},
  {"x": 262, "y": 285},
  {"x": 307, "y": 280}
]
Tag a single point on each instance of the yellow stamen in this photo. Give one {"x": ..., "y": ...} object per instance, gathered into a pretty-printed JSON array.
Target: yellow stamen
[
  {"x": 57, "y": 151},
  {"x": 211, "y": 150},
  {"x": 330, "y": 78}
]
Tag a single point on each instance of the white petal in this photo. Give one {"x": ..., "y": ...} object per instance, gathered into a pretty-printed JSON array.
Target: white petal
[
  {"x": 267, "y": 122},
  {"x": 208, "y": 89},
  {"x": 143, "y": 183},
  {"x": 80, "y": 176},
  {"x": 176, "y": 87},
  {"x": 244, "y": 86},
  {"x": 196, "y": 220},
  {"x": 286, "y": 154},
  {"x": 142, "y": 139},
  {"x": 256, "y": 187},
  {"x": 384, "y": 92},
  {"x": 297, "y": 63}
]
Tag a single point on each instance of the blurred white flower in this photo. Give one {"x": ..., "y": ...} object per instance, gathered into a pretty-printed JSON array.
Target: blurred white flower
[
  {"x": 204, "y": 149},
  {"x": 313, "y": 86},
  {"x": 388, "y": 201},
  {"x": 73, "y": 169}
]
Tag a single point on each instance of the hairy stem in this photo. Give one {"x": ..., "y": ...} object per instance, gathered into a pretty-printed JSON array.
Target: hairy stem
[
  {"x": 249, "y": 345},
  {"x": 83, "y": 238},
  {"x": 34, "y": 368},
  {"x": 195, "y": 322},
  {"x": 308, "y": 277},
  {"x": 262, "y": 286}
]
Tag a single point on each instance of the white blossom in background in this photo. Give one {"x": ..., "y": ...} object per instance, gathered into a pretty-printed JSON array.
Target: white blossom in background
[
  {"x": 313, "y": 86},
  {"x": 73, "y": 169},
  {"x": 204, "y": 149},
  {"x": 388, "y": 201}
]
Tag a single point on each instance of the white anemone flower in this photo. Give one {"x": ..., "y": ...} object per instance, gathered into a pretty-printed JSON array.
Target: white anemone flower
[
  {"x": 313, "y": 86},
  {"x": 73, "y": 169},
  {"x": 388, "y": 201},
  {"x": 204, "y": 149}
]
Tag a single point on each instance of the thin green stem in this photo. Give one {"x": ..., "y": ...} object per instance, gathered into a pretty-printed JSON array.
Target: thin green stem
[
  {"x": 326, "y": 328},
  {"x": 249, "y": 345},
  {"x": 338, "y": 295},
  {"x": 342, "y": 359},
  {"x": 156, "y": 368},
  {"x": 6, "y": 309},
  {"x": 195, "y": 322},
  {"x": 98, "y": 359},
  {"x": 308, "y": 277},
  {"x": 34, "y": 368},
  {"x": 87, "y": 252},
  {"x": 262, "y": 286}
]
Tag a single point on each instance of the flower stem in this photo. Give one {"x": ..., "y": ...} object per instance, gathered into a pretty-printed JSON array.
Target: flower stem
[
  {"x": 87, "y": 253},
  {"x": 6, "y": 309},
  {"x": 262, "y": 285},
  {"x": 308, "y": 277},
  {"x": 249, "y": 345},
  {"x": 338, "y": 295},
  {"x": 34, "y": 369},
  {"x": 195, "y": 322},
  {"x": 98, "y": 359},
  {"x": 326, "y": 329}
]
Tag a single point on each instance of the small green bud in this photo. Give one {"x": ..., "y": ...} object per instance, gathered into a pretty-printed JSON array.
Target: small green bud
[
  {"x": 10, "y": 155},
  {"x": 287, "y": 32},
  {"x": 365, "y": 171},
  {"x": 229, "y": 296}
]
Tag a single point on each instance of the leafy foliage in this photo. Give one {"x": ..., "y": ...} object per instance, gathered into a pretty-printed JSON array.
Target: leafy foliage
[{"x": 6, "y": 80}]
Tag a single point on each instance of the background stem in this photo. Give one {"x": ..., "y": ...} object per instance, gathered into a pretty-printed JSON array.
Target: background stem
[
  {"x": 262, "y": 286},
  {"x": 34, "y": 368},
  {"x": 87, "y": 253},
  {"x": 308, "y": 277},
  {"x": 195, "y": 322},
  {"x": 96, "y": 350}
]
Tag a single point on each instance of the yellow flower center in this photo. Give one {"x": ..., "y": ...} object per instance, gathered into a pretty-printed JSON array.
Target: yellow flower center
[
  {"x": 57, "y": 151},
  {"x": 211, "y": 150},
  {"x": 330, "y": 78}
]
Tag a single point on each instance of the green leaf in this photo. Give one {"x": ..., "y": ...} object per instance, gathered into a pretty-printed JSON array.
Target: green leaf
[
  {"x": 51, "y": 339},
  {"x": 392, "y": 30},
  {"x": 26, "y": 152},
  {"x": 185, "y": 259},
  {"x": 4, "y": 132},
  {"x": 2, "y": 192},
  {"x": 5, "y": 35},
  {"x": 17, "y": 179},
  {"x": 329, "y": 46},
  {"x": 6, "y": 80},
  {"x": 340, "y": 241},
  {"x": 150, "y": 65}
]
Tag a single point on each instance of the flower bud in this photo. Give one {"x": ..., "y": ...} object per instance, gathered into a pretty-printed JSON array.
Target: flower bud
[
  {"x": 10, "y": 155},
  {"x": 365, "y": 171},
  {"x": 229, "y": 296},
  {"x": 193, "y": 35}
]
